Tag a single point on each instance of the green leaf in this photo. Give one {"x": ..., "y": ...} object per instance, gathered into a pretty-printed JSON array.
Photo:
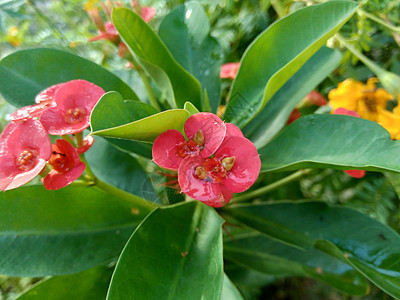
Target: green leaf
[
  {"x": 119, "y": 169},
  {"x": 186, "y": 33},
  {"x": 277, "y": 111},
  {"x": 278, "y": 53},
  {"x": 331, "y": 141},
  {"x": 229, "y": 290},
  {"x": 179, "y": 248},
  {"x": 115, "y": 118},
  {"x": 151, "y": 53},
  {"x": 259, "y": 252},
  {"x": 65, "y": 231},
  {"x": 91, "y": 284},
  {"x": 190, "y": 108},
  {"x": 25, "y": 73},
  {"x": 364, "y": 243}
]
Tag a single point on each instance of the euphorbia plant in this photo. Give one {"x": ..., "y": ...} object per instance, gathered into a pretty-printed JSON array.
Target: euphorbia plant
[{"x": 101, "y": 211}]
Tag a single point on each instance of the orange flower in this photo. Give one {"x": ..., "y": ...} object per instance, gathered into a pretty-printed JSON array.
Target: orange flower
[
  {"x": 391, "y": 122},
  {"x": 366, "y": 100}
]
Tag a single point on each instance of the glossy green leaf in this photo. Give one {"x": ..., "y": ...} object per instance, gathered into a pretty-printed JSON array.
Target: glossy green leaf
[
  {"x": 23, "y": 74},
  {"x": 364, "y": 243},
  {"x": 229, "y": 290},
  {"x": 119, "y": 169},
  {"x": 190, "y": 108},
  {"x": 180, "y": 249},
  {"x": 151, "y": 53},
  {"x": 257, "y": 251},
  {"x": 278, "y": 53},
  {"x": 186, "y": 33},
  {"x": 65, "y": 231},
  {"x": 277, "y": 111},
  {"x": 115, "y": 118},
  {"x": 332, "y": 141},
  {"x": 91, "y": 284}
]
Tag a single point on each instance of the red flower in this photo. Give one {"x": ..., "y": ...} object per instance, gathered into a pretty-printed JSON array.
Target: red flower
[
  {"x": 66, "y": 164},
  {"x": 74, "y": 102},
  {"x": 109, "y": 33},
  {"x": 44, "y": 100},
  {"x": 294, "y": 115},
  {"x": 344, "y": 111},
  {"x": 205, "y": 133},
  {"x": 233, "y": 169},
  {"x": 316, "y": 98},
  {"x": 147, "y": 13},
  {"x": 229, "y": 70},
  {"x": 24, "y": 149}
]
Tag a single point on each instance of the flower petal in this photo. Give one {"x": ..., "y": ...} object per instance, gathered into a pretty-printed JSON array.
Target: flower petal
[
  {"x": 200, "y": 189},
  {"x": 229, "y": 70},
  {"x": 48, "y": 94},
  {"x": 247, "y": 163},
  {"x": 165, "y": 149},
  {"x": 87, "y": 143},
  {"x": 147, "y": 13},
  {"x": 8, "y": 170},
  {"x": 55, "y": 180},
  {"x": 232, "y": 130},
  {"x": 347, "y": 112},
  {"x": 224, "y": 198},
  {"x": 211, "y": 126},
  {"x": 355, "y": 173},
  {"x": 25, "y": 176},
  {"x": 54, "y": 121},
  {"x": 31, "y": 111}
]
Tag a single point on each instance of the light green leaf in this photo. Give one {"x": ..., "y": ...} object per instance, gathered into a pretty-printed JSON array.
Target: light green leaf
[
  {"x": 229, "y": 290},
  {"x": 186, "y": 33},
  {"x": 177, "y": 84},
  {"x": 179, "y": 248},
  {"x": 65, "y": 231},
  {"x": 277, "y": 111},
  {"x": 364, "y": 243},
  {"x": 115, "y": 118},
  {"x": 25, "y": 73},
  {"x": 190, "y": 108},
  {"x": 91, "y": 284},
  {"x": 332, "y": 141},
  {"x": 278, "y": 53}
]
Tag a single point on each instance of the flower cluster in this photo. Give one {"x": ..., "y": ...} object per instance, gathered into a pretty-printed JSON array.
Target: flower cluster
[
  {"x": 25, "y": 147},
  {"x": 214, "y": 162},
  {"x": 368, "y": 102}
]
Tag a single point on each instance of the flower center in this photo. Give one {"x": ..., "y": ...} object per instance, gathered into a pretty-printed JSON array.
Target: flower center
[
  {"x": 188, "y": 148},
  {"x": 215, "y": 170},
  {"x": 27, "y": 159},
  {"x": 61, "y": 162},
  {"x": 370, "y": 103},
  {"x": 75, "y": 115}
]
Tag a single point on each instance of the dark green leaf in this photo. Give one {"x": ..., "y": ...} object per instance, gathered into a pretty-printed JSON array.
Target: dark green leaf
[
  {"x": 276, "y": 113},
  {"x": 255, "y": 250},
  {"x": 91, "y": 284},
  {"x": 332, "y": 141},
  {"x": 180, "y": 249},
  {"x": 65, "y": 231},
  {"x": 279, "y": 52},
  {"x": 367, "y": 245},
  {"x": 177, "y": 84},
  {"x": 25, "y": 73},
  {"x": 186, "y": 33},
  {"x": 119, "y": 169}
]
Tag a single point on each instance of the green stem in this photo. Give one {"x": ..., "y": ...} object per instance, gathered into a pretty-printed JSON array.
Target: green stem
[
  {"x": 379, "y": 21},
  {"x": 146, "y": 82},
  {"x": 88, "y": 170},
  {"x": 69, "y": 140},
  {"x": 123, "y": 195},
  {"x": 79, "y": 139},
  {"x": 272, "y": 186}
]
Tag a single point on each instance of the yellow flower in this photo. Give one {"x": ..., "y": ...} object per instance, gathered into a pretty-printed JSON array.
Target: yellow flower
[
  {"x": 366, "y": 100},
  {"x": 390, "y": 121}
]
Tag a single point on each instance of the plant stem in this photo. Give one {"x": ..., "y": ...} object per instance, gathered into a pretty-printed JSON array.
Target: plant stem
[
  {"x": 272, "y": 186},
  {"x": 124, "y": 195},
  {"x": 379, "y": 21},
  {"x": 88, "y": 170},
  {"x": 146, "y": 82}
]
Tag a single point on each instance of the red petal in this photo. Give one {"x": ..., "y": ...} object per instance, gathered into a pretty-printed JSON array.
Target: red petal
[
  {"x": 232, "y": 130},
  {"x": 24, "y": 177},
  {"x": 8, "y": 170},
  {"x": 247, "y": 163},
  {"x": 55, "y": 180},
  {"x": 199, "y": 189},
  {"x": 221, "y": 200},
  {"x": 23, "y": 135},
  {"x": 147, "y": 13},
  {"x": 165, "y": 149},
  {"x": 316, "y": 98},
  {"x": 294, "y": 115},
  {"x": 48, "y": 94},
  {"x": 87, "y": 143},
  {"x": 78, "y": 94},
  {"x": 229, "y": 70},
  {"x": 213, "y": 130},
  {"x": 347, "y": 112},
  {"x": 31, "y": 111},
  {"x": 53, "y": 120},
  {"x": 355, "y": 173}
]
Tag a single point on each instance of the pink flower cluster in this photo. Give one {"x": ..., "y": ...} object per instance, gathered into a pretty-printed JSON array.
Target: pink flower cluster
[
  {"x": 214, "y": 162},
  {"x": 25, "y": 146}
]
